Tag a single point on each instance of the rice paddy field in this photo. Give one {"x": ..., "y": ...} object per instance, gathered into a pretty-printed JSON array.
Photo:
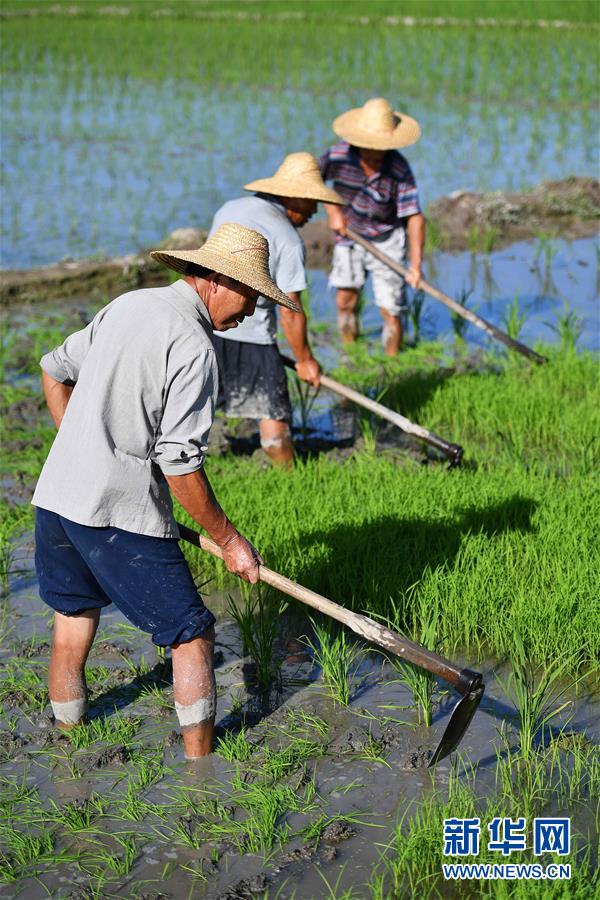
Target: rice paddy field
[{"x": 122, "y": 122}]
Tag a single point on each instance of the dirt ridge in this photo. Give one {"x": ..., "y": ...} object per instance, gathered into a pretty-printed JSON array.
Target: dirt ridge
[{"x": 568, "y": 209}]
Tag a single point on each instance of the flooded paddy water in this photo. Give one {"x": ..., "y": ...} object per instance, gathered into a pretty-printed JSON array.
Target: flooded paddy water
[{"x": 318, "y": 786}]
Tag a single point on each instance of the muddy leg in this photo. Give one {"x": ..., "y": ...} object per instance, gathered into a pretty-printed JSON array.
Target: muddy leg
[
  {"x": 393, "y": 333},
  {"x": 346, "y": 300},
  {"x": 276, "y": 441},
  {"x": 195, "y": 693},
  {"x": 71, "y": 643}
]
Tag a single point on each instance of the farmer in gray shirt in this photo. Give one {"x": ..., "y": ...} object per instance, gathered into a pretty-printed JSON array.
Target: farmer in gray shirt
[
  {"x": 253, "y": 383},
  {"x": 133, "y": 397}
]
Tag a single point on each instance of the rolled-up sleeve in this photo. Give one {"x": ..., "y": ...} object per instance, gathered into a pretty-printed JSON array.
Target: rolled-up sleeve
[
  {"x": 64, "y": 363},
  {"x": 290, "y": 274},
  {"x": 407, "y": 198},
  {"x": 182, "y": 440}
]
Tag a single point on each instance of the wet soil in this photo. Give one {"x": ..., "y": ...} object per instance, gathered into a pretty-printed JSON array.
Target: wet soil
[
  {"x": 567, "y": 209},
  {"x": 365, "y": 767}
]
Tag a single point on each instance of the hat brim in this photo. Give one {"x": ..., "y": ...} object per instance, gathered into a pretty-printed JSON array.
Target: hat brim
[
  {"x": 406, "y": 132},
  {"x": 279, "y": 187},
  {"x": 181, "y": 260}
]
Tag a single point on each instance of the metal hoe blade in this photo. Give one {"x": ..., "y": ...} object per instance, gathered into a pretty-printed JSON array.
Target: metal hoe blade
[{"x": 460, "y": 720}]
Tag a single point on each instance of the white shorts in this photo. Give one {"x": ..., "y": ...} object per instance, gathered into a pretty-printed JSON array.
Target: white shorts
[{"x": 352, "y": 263}]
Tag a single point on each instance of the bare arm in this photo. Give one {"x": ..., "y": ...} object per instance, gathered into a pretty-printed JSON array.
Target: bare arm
[
  {"x": 336, "y": 217},
  {"x": 294, "y": 328},
  {"x": 196, "y": 495},
  {"x": 416, "y": 241},
  {"x": 57, "y": 396}
]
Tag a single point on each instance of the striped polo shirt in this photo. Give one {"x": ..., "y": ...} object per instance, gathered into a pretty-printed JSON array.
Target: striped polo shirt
[{"x": 376, "y": 205}]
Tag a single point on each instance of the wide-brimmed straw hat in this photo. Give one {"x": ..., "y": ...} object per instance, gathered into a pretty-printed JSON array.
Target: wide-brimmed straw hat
[
  {"x": 375, "y": 126},
  {"x": 297, "y": 176},
  {"x": 235, "y": 251}
]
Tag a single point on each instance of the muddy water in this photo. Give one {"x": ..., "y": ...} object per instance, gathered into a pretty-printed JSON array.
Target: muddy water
[{"x": 366, "y": 795}]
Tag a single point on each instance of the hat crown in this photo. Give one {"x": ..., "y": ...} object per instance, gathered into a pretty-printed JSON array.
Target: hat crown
[
  {"x": 242, "y": 245},
  {"x": 297, "y": 164},
  {"x": 378, "y": 115}
]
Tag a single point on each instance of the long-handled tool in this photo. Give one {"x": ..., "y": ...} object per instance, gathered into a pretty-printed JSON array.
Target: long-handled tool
[
  {"x": 469, "y": 684},
  {"x": 467, "y": 314},
  {"x": 454, "y": 452}
]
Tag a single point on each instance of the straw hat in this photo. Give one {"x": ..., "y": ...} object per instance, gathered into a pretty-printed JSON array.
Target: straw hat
[
  {"x": 235, "y": 251},
  {"x": 375, "y": 126},
  {"x": 297, "y": 176}
]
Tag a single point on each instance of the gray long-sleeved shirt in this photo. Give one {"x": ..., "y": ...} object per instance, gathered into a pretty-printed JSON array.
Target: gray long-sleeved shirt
[{"x": 146, "y": 380}]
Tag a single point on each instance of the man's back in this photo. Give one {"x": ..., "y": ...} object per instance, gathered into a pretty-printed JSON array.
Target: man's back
[
  {"x": 286, "y": 260},
  {"x": 146, "y": 379}
]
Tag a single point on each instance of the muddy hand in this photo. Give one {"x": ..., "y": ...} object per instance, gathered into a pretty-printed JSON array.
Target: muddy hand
[
  {"x": 309, "y": 370},
  {"x": 241, "y": 558}
]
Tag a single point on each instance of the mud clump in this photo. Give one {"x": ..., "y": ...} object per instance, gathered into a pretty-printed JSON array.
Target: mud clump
[
  {"x": 173, "y": 739},
  {"x": 27, "y": 649},
  {"x": 302, "y": 854},
  {"x": 338, "y": 832},
  {"x": 247, "y": 887},
  {"x": 416, "y": 759},
  {"x": 569, "y": 208},
  {"x": 10, "y": 745},
  {"x": 355, "y": 740},
  {"x": 110, "y": 756}
]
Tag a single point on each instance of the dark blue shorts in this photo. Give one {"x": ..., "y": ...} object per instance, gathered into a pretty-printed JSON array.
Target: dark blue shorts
[{"x": 147, "y": 578}]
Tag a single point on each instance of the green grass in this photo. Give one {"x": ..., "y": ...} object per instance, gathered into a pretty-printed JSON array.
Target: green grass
[
  {"x": 466, "y": 10},
  {"x": 455, "y": 62}
]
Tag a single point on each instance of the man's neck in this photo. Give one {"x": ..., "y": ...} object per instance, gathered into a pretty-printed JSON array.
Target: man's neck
[{"x": 201, "y": 287}]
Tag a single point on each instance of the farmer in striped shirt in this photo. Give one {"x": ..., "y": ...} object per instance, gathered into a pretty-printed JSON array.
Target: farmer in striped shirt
[{"x": 382, "y": 205}]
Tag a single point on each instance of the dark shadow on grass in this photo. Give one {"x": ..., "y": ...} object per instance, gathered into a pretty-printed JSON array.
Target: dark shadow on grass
[
  {"x": 409, "y": 392},
  {"x": 383, "y": 559}
]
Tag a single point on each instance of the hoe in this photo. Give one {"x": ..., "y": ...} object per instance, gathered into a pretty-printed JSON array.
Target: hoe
[
  {"x": 454, "y": 452},
  {"x": 468, "y": 684}
]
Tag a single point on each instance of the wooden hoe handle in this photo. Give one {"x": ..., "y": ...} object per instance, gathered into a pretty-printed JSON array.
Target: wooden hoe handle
[
  {"x": 462, "y": 679},
  {"x": 467, "y": 314}
]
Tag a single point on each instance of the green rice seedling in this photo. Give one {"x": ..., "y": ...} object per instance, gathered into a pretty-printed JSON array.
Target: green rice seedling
[
  {"x": 546, "y": 248},
  {"x": 428, "y": 633},
  {"x": 298, "y": 720},
  {"x": 235, "y": 746},
  {"x": 459, "y": 325},
  {"x": 513, "y": 320},
  {"x": 303, "y": 397},
  {"x": 535, "y": 698},
  {"x": 265, "y": 807},
  {"x": 372, "y": 751},
  {"x": 118, "y": 864},
  {"x": 337, "y": 657},
  {"x": 276, "y": 764},
  {"x": 23, "y": 852},
  {"x": 415, "y": 314},
  {"x": 112, "y": 729},
  {"x": 568, "y": 326},
  {"x": 131, "y": 805},
  {"x": 148, "y": 766},
  {"x": 473, "y": 238},
  {"x": 258, "y": 620},
  {"x": 368, "y": 433},
  {"x": 77, "y": 816},
  {"x": 489, "y": 238},
  {"x": 22, "y": 686}
]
